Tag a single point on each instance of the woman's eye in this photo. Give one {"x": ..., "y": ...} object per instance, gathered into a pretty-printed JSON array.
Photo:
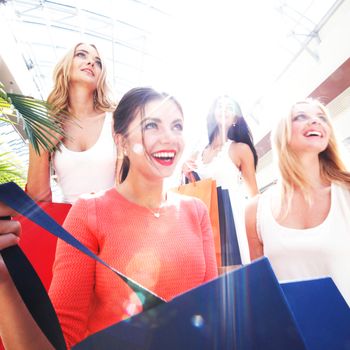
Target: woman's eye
[
  {"x": 80, "y": 54},
  {"x": 323, "y": 118},
  {"x": 99, "y": 63},
  {"x": 178, "y": 126},
  {"x": 151, "y": 125},
  {"x": 300, "y": 117}
]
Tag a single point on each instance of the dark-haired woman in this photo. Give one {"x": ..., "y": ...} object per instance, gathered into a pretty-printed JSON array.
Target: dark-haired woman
[
  {"x": 160, "y": 239},
  {"x": 231, "y": 159}
]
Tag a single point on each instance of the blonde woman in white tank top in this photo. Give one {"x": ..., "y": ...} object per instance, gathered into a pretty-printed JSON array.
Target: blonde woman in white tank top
[
  {"x": 81, "y": 91},
  {"x": 302, "y": 223}
]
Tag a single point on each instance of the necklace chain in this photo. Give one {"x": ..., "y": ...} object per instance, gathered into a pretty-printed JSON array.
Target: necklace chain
[{"x": 156, "y": 214}]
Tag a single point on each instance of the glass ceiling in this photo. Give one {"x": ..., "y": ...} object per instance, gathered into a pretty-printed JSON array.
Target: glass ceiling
[{"x": 194, "y": 49}]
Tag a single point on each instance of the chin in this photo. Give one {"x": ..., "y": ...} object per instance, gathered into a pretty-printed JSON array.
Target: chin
[{"x": 163, "y": 174}]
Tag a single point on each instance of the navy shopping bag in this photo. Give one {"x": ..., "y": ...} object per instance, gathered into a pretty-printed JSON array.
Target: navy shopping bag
[
  {"x": 230, "y": 254},
  {"x": 245, "y": 309}
]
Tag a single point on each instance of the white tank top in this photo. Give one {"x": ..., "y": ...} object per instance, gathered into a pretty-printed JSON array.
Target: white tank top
[
  {"x": 300, "y": 254},
  {"x": 222, "y": 169},
  {"x": 87, "y": 171}
]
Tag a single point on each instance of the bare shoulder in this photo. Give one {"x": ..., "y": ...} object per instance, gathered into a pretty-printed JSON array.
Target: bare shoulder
[
  {"x": 240, "y": 150},
  {"x": 239, "y": 147}
]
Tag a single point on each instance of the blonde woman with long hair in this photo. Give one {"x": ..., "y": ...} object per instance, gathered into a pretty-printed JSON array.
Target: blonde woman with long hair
[
  {"x": 86, "y": 158},
  {"x": 302, "y": 223}
]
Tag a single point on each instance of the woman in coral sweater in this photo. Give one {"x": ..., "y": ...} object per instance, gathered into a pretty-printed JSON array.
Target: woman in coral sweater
[{"x": 162, "y": 240}]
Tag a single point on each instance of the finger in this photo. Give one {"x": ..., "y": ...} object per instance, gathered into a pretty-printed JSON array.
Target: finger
[
  {"x": 8, "y": 240},
  {"x": 10, "y": 226},
  {"x": 6, "y": 211}
]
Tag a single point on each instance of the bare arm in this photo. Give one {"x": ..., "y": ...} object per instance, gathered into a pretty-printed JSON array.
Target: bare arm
[
  {"x": 18, "y": 330},
  {"x": 38, "y": 181},
  {"x": 255, "y": 245},
  {"x": 242, "y": 156}
]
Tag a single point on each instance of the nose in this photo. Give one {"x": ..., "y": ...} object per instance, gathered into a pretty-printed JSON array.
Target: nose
[
  {"x": 90, "y": 61},
  {"x": 168, "y": 136},
  {"x": 314, "y": 120}
]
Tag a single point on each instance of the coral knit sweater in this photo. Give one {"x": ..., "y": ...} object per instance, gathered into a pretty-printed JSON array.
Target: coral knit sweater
[{"x": 168, "y": 255}]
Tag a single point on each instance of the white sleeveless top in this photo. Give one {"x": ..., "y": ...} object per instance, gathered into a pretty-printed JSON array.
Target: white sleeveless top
[
  {"x": 222, "y": 169},
  {"x": 228, "y": 176},
  {"x": 301, "y": 254},
  {"x": 87, "y": 171}
]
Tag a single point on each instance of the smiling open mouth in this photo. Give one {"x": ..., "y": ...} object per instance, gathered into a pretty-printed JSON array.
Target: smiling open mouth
[
  {"x": 313, "y": 133},
  {"x": 164, "y": 157}
]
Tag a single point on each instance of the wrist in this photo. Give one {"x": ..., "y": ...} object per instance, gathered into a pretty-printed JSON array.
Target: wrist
[{"x": 5, "y": 279}]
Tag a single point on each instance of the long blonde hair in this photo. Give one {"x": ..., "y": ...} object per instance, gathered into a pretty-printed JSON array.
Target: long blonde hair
[
  {"x": 58, "y": 99},
  {"x": 332, "y": 168}
]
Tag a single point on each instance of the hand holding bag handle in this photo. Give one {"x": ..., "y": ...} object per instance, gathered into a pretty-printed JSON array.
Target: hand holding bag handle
[{"x": 192, "y": 177}]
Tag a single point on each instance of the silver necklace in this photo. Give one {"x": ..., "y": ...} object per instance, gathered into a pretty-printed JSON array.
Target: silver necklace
[{"x": 156, "y": 214}]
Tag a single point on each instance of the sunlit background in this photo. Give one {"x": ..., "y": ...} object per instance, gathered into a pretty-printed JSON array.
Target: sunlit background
[{"x": 194, "y": 49}]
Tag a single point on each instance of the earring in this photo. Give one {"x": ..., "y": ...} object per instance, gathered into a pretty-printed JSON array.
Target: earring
[{"x": 122, "y": 154}]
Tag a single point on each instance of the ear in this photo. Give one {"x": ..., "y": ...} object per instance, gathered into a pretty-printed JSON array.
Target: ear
[
  {"x": 119, "y": 140},
  {"x": 121, "y": 143}
]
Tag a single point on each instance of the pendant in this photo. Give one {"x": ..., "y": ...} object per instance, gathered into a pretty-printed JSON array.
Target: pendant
[{"x": 156, "y": 215}]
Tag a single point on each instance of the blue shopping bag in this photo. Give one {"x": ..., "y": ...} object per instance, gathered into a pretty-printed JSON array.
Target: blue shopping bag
[{"x": 230, "y": 254}]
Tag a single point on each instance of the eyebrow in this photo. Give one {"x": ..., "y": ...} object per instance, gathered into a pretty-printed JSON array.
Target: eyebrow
[
  {"x": 302, "y": 111},
  {"x": 85, "y": 51},
  {"x": 178, "y": 120},
  {"x": 146, "y": 119},
  {"x": 158, "y": 120}
]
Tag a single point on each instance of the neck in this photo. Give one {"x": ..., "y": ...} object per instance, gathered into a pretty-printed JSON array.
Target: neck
[
  {"x": 149, "y": 194},
  {"x": 81, "y": 102},
  {"x": 311, "y": 166},
  {"x": 219, "y": 140}
]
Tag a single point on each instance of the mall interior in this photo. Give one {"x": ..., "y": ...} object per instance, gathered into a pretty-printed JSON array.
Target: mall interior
[{"x": 266, "y": 54}]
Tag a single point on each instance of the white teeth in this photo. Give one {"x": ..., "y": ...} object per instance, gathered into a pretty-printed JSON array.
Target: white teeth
[
  {"x": 313, "y": 133},
  {"x": 164, "y": 155}
]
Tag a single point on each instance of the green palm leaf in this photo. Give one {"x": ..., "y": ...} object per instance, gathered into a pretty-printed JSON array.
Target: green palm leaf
[{"x": 40, "y": 125}]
